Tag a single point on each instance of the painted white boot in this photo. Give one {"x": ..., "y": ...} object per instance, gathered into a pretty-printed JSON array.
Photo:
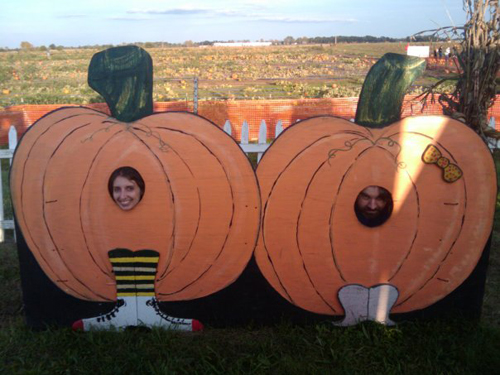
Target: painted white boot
[
  {"x": 380, "y": 302},
  {"x": 123, "y": 315},
  {"x": 354, "y": 300},
  {"x": 361, "y": 303},
  {"x": 150, "y": 315},
  {"x": 136, "y": 302}
]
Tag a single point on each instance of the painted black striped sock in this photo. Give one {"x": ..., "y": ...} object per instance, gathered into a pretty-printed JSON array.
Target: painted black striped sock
[
  {"x": 134, "y": 271},
  {"x": 146, "y": 263}
]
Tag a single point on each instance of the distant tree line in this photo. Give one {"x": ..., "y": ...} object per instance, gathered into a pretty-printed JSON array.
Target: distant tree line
[
  {"x": 289, "y": 40},
  {"x": 354, "y": 39}
]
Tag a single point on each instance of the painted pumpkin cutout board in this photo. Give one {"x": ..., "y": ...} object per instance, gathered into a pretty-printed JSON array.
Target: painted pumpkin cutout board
[
  {"x": 324, "y": 256},
  {"x": 312, "y": 244},
  {"x": 188, "y": 232},
  {"x": 101, "y": 245}
]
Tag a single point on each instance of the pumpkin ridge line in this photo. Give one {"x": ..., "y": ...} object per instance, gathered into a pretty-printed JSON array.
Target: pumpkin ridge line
[
  {"x": 166, "y": 272},
  {"x": 368, "y": 129},
  {"x": 164, "y": 146},
  {"x": 31, "y": 128},
  {"x": 431, "y": 138},
  {"x": 419, "y": 289},
  {"x": 105, "y": 129},
  {"x": 130, "y": 126},
  {"x": 297, "y": 237},
  {"x": 229, "y": 224},
  {"x": 356, "y": 132},
  {"x": 35, "y": 141},
  {"x": 454, "y": 242},
  {"x": 104, "y": 272},
  {"x": 91, "y": 292},
  {"x": 80, "y": 203},
  {"x": 439, "y": 266},
  {"x": 391, "y": 142},
  {"x": 348, "y": 147},
  {"x": 172, "y": 197},
  {"x": 264, "y": 212},
  {"x": 456, "y": 239},
  {"x": 21, "y": 188},
  {"x": 95, "y": 113},
  {"x": 416, "y": 232},
  {"x": 288, "y": 165},
  {"x": 332, "y": 211},
  {"x": 223, "y": 248}
]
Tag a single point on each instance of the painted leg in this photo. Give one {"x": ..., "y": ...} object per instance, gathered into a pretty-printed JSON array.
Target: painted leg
[
  {"x": 380, "y": 302},
  {"x": 135, "y": 274},
  {"x": 354, "y": 300},
  {"x": 125, "y": 312},
  {"x": 148, "y": 309}
]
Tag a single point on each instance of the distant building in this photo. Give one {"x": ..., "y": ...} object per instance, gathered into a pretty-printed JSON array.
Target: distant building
[
  {"x": 418, "y": 51},
  {"x": 242, "y": 44}
]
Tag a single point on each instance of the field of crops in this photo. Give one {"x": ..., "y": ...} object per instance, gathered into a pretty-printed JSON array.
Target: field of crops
[{"x": 309, "y": 71}]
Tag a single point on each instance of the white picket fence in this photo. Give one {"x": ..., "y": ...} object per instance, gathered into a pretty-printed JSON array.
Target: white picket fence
[
  {"x": 261, "y": 146},
  {"x": 6, "y": 154}
]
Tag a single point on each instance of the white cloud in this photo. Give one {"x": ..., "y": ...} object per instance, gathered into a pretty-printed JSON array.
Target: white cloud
[
  {"x": 249, "y": 16},
  {"x": 128, "y": 18},
  {"x": 72, "y": 16},
  {"x": 304, "y": 19},
  {"x": 173, "y": 11}
]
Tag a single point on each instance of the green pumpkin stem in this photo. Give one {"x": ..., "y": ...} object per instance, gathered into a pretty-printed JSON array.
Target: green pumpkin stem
[
  {"x": 384, "y": 89},
  {"x": 124, "y": 78}
]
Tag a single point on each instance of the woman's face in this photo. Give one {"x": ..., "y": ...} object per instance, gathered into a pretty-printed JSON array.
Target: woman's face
[{"x": 126, "y": 193}]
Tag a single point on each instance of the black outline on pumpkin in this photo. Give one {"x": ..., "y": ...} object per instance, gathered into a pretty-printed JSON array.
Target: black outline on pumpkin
[
  {"x": 403, "y": 261},
  {"x": 90, "y": 111}
]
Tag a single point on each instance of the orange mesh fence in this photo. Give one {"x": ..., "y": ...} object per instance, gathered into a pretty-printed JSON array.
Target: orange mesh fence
[
  {"x": 288, "y": 111},
  {"x": 253, "y": 112}
]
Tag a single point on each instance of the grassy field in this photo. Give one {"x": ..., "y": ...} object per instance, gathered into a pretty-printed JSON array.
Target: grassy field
[
  {"x": 33, "y": 77},
  {"x": 435, "y": 347}
]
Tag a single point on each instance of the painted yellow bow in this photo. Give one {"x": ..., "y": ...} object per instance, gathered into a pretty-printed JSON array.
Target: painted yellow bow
[{"x": 432, "y": 155}]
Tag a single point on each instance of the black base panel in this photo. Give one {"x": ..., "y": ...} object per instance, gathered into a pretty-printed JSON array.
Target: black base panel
[{"x": 249, "y": 300}]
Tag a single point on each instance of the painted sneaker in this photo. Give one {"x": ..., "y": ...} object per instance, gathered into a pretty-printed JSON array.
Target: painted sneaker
[
  {"x": 150, "y": 315},
  {"x": 123, "y": 315}
]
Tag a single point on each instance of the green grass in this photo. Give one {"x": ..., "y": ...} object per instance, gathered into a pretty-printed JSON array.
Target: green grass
[{"x": 420, "y": 348}]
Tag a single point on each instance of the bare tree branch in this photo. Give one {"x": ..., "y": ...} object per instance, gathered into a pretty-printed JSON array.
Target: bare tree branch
[{"x": 478, "y": 64}]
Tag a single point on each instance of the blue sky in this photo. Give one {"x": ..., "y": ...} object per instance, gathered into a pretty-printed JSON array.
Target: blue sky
[{"x": 88, "y": 22}]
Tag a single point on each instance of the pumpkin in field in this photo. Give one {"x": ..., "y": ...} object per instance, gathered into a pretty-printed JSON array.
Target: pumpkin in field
[{"x": 315, "y": 252}]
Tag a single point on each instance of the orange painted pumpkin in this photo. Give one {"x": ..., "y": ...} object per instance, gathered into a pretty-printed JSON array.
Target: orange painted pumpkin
[
  {"x": 311, "y": 243},
  {"x": 200, "y": 210}
]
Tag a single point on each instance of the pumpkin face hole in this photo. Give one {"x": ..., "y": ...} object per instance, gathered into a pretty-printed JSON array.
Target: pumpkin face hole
[
  {"x": 126, "y": 187},
  {"x": 373, "y": 206}
]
